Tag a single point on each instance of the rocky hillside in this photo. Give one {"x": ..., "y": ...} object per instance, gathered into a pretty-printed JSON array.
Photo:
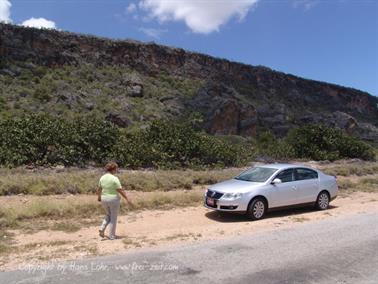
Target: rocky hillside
[{"x": 132, "y": 83}]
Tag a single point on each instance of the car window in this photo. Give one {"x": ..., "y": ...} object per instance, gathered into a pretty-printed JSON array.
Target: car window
[
  {"x": 256, "y": 174},
  {"x": 286, "y": 175},
  {"x": 303, "y": 174}
]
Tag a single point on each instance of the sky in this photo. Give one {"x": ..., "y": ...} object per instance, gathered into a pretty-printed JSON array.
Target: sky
[{"x": 327, "y": 40}]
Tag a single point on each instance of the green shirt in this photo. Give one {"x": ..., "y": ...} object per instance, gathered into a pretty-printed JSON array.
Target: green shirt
[{"x": 109, "y": 184}]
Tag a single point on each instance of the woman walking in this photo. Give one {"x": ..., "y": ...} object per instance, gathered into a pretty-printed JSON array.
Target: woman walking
[{"x": 109, "y": 189}]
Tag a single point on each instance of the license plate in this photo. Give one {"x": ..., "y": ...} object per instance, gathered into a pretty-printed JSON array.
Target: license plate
[{"x": 210, "y": 201}]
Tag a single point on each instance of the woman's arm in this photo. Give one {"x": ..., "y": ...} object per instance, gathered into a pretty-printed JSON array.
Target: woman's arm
[
  {"x": 99, "y": 191},
  {"x": 124, "y": 195}
]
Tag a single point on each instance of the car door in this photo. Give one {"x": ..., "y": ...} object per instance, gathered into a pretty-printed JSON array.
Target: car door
[
  {"x": 283, "y": 194},
  {"x": 307, "y": 185}
]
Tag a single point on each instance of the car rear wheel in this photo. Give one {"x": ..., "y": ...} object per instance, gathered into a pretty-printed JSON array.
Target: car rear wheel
[
  {"x": 257, "y": 209},
  {"x": 322, "y": 202}
]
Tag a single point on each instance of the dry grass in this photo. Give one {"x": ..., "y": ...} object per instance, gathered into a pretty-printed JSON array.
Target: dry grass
[
  {"x": 90, "y": 249},
  {"x": 358, "y": 169},
  {"x": 76, "y": 181},
  {"x": 7, "y": 247},
  {"x": 74, "y": 212},
  {"x": 32, "y": 246},
  {"x": 300, "y": 219},
  {"x": 27, "y": 215},
  {"x": 81, "y": 181},
  {"x": 6, "y": 240},
  {"x": 151, "y": 190},
  {"x": 66, "y": 226},
  {"x": 364, "y": 184},
  {"x": 129, "y": 243},
  {"x": 182, "y": 236}
]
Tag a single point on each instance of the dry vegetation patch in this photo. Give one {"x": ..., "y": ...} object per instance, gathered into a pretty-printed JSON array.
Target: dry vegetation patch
[{"x": 79, "y": 181}]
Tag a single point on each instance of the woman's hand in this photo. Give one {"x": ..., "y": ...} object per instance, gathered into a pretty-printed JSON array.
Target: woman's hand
[
  {"x": 130, "y": 201},
  {"x": 122, "y": 192}
]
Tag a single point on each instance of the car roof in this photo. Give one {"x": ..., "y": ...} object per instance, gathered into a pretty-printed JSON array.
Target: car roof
[{"x": 280, "y": 166}]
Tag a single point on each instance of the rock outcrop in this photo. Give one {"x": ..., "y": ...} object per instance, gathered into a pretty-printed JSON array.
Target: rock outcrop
[{"x": 234, "y": 98}]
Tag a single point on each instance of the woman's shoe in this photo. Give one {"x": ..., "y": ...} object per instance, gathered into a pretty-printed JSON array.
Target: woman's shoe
[{"x": 101, "y": 233}]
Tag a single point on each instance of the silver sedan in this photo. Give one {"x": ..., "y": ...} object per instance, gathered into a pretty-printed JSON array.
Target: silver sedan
[{"x": 270, "y": 187}]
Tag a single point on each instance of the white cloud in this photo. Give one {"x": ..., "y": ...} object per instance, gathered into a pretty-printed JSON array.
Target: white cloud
[
  {"x": 306, "y": 4},
  {"x": 155, "y": 33},
  {"x": 5, "y": 6},
  {"x": 39, "y": 23},
  {"x": 201, "y": 16},
  {"x": 131, "y": 8}
]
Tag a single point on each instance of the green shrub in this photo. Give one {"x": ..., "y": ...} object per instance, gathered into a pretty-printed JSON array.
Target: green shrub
[
  {"x": 3, "y": 103},
  {"x": 44, "y": 140},
  {"x": 42, "y": 93},
  {"x": 40, "y": 71},
  {"x": 170, "y": 145},
  {"x": 41, "y": 139},
  {"x": 319, "y": 142},
  {"x": 278, "y": 149}
]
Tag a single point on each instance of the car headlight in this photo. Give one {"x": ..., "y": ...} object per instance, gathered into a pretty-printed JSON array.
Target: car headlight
[{"x": 232, "y": 196}]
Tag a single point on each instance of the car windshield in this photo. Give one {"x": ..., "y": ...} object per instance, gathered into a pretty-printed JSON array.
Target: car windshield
[{"x": 257, "y": 174}]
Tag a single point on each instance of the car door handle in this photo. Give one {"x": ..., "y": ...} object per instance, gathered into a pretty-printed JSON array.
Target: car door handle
[{"x": 294, "y": 188}]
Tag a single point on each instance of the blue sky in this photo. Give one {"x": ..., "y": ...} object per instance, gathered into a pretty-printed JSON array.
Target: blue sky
[{"x": 328, "y": 40}]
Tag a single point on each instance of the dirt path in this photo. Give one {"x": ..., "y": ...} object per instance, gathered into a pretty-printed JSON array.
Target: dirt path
[{"x": 167, "y": 227}]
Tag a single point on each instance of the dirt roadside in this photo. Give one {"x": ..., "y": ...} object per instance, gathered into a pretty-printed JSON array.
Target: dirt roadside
[{"x": 167, "y": 227}]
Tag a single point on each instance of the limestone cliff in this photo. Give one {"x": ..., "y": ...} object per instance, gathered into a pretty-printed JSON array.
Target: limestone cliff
[{"x": 131, "y": 82}]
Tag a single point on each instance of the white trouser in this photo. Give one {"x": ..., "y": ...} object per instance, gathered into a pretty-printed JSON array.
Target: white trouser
[{"x": 111, "y": 206}]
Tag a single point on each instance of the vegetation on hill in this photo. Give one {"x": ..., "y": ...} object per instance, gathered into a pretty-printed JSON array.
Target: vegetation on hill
[
  {"x": 41, "y": 140},
  {"x": 118, "y": 94}
]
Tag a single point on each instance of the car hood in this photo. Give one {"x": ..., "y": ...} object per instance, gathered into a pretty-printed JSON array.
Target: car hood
[{"x": 234, "y": 185}]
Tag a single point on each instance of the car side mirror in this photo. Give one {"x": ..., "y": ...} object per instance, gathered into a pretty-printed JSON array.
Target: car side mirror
[{"x": 276, "y": 181}]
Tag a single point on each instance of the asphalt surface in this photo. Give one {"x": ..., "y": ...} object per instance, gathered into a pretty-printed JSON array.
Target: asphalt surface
[{"x": 335, "y": 250}]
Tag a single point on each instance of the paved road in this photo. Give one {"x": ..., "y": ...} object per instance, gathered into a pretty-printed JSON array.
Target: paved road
[{"x": 337, "y": 250}]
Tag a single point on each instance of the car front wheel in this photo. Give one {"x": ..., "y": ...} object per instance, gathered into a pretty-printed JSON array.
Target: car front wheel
[
  {"x": 256, "y": 209},
  {"x": 322, "y": 202}
]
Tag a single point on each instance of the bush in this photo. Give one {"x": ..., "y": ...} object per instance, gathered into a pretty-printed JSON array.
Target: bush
[
  {"x": 88, "y": 139},
  {"x": 44, "y": 140},
  {"x": 170, "y": 145},
  {"x": 43, "y": 93},
  {"x": 278, "y": 149},
  {"x": 319, "y": 142},
  {"x": 3, "y": 103},
  {"x": 41, "y": 139}
]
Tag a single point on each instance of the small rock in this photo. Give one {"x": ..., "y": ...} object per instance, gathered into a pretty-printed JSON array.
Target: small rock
[
  {"x": 135, "y": 91},
  {"x": 29, "y": 65},
  {"x": 118, "y": 119},
  {"x": 89, "y": 106},
  {"x": 59, "y": 167},
  {"x": 166, "y": 98},
  {"x": 7, "y": 72}
]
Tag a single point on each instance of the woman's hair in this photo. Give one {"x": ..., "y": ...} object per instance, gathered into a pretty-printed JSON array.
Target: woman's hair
[{"x": 111, "y": 166}]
